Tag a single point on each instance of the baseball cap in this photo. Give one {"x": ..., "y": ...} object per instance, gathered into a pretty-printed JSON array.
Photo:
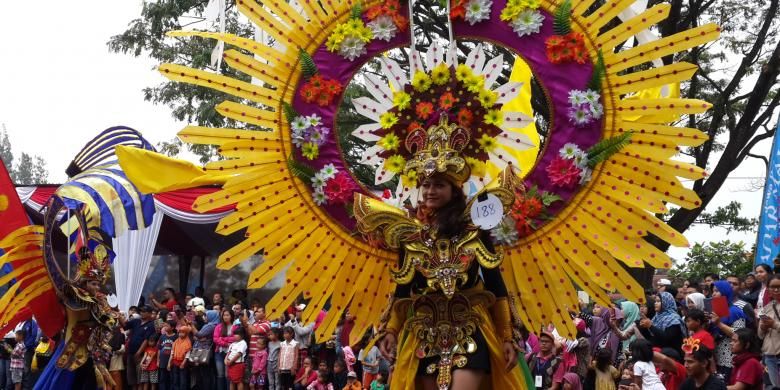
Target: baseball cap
[
  {"x": 195, "y": 302},
  {"x": 665, "y": 282},
  {"x": 300, "y": 307},
  {"x": 351, "y": 374}
]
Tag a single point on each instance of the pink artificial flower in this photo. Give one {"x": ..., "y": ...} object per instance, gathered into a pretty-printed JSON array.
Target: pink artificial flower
[{"x": 563, "y": 172}]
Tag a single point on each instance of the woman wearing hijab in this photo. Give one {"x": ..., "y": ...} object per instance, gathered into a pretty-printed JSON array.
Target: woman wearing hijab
[
  {"x": 725, "y": 327},
  {"x": 204, "y": 340},
  {"x": 601, "y": 335},
  {"x": 571, "y": 381},
  {"x": 695, "y": 301},
  {"x": 629, "y": 331},
  {"x": 666, "y": 329}
]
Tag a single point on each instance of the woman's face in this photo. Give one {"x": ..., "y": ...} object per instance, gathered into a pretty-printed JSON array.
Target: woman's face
[
  {"x": 597, "y": 311},
  {"x": 761, "y": 274},
  {"x": 643, "y": 310},
  {"x": 436, "y": 192},
  {"x": 657, "y": 305},
  {"x": 226, "y": 317},
  {"x": 715, "y": 292},
  {"x": 736, "y": 345},
  {"x": 690, "y": 304},
  {"x": 750, "y": 281},
  {"x": 774, "y": 288}
]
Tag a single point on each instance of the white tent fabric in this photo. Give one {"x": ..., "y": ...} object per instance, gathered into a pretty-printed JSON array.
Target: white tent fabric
[
  {"x": 134, "y": 251},
  {"x": 25, "y": 193},
  {"x": 189, "y": 217}
]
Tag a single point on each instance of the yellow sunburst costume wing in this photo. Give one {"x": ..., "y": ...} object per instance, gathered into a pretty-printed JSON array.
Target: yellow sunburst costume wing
[{"x": 605, "y": 219}]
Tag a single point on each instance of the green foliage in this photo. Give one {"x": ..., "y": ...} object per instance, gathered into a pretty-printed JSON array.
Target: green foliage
[
  {"x": 726, "y": 217},
  {"x": 308, "y": 66},
  {"x": 605, "y": 148},
  {"x": 289, "y": 112},
  {"x": 598, "y": 73},
  {"x": 29, "y": 170},
  {"x": 562, "y": 18},
  {"x": 721, "y": 257},
  {"x": 357, "y": 11},
  {"x": 299, "y": 169}
]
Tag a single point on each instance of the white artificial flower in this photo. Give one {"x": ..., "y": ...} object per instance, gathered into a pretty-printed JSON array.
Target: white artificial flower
[
  {"x": 505, "y": 233},
  {"x": 314, "y": 120},
  {"x": 577, "y": 98},
  {"x": 478, "y": 10},
  {"x": 585, "y": 175},
  {"x": 383, "y": 28},
  {"x": 319, "y": 197},
  {"x": 298, "y": 137},
  {"x": 318, "y": 181},
  {"x": 329, "y": 171},
  {"x": 581, "y": 159},
  {"x": 569, "y": 151},
  {"x": 300, "y": 123},
  {"x": 580, "y": 116},
  {"x": 596, "y": 110},
  {"x": 591, "y": 96},
  {"x": 352, "y": 47},
  {"x": 316, "y": 137},
  {"x": 527, "y": 22}
]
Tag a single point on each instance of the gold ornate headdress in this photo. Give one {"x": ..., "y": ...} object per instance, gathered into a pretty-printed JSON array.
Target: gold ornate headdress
[
  {"x": 438, "y": 150},
  {"x": 94, "y": 262}
]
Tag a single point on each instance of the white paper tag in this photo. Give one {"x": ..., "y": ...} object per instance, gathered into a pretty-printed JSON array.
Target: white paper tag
[
  {"x": 488, "y": 212},
  {"x": 538, "y": 381},
  {"x": 112, "y": 300}
]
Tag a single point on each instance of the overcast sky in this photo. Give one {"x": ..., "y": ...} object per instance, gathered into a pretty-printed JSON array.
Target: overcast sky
[{"x": 61, "y": 87}]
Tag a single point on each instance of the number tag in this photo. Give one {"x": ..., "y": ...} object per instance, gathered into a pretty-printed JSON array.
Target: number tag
[
  {"x": 487, "y": 213},
  {"x": 112, "y": 300},
  {"x": 538, "y": 381}
]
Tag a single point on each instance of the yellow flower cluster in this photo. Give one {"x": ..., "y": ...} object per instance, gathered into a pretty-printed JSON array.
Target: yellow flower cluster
[
  {"x": 389, "y": 142},
  {"x": 395, "y": 164},
  {"x": 409, "y": 179},
  {"x": 515, "y": 7},
  {"x": 440, "y": 74},
  {"x": 478, "y": 168},
  {"x": 421, "y": 82},
  {"x": 388, "y": 120},
  {"x": 353, "y": 28},
  {"x": 402, "y": 100},
  {"x": 487, "y": 143}
]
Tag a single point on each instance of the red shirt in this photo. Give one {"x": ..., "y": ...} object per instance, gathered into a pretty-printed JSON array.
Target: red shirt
[
  {"x": 262, "y": 331},
  {"x": 673, "y": 379},
  {"x": 312, "y": 376},
  {"x": 748, "y": 370},
  {"x": 705, "y": 338},
  {"x": 151, "y": 352}
]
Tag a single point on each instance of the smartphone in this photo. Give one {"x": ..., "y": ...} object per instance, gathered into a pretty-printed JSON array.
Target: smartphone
[
  {"x": 764, "y": 317},
  {"x": 708, "y": 305}
]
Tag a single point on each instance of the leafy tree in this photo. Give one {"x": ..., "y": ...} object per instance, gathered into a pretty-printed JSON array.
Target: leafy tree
[
  {"x": 28, "y": 170},
  {"x": 720, "y": 257}
]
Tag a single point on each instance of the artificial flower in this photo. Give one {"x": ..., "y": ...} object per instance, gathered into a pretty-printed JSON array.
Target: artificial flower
[
  {"x": 487, "y": 143},
  {"x": 566, "y": 48},
  {"x": 310, "y": 150},
  {"x": 596, "y": 110},
  {"x": 515, "y": 7},
  {"x": 577, "y": 97},
  {"x": 591, "y": 96},
  {"x": 494, "y": 117},
  {"x": 317, "y": 81},
  {"x": 463, "y": 72},
  {"x": 465, "y": 117},
  {"x": 389, "y": 142},
  {"x": 505, "y": 233},
  {"x": 487, "y": 98},
  {"x": 388, "y": 120},
  {"x": 424, "y": 110},
  {"x": 319, "y": 179},
  {"x": 446, "y": 101},
  {"x": 309, "y": 93},
  {"x": 474, "y": 83},
  {"x": 328, "y": 171},
  {"x": 319, "y": 197},
  {"x": 414, "y": 126},
  {"x": 402, "y": 100},
  {"x": 477, "y": 11},
  {"x": 319, "y": 135},
  {"x": 314, "y": 120},
  {"x": 580, "y": 116},
  {"x": 440, "y": 74},
  {"x": 395, "y": 164},
  {"x": 569, "y": 150},
  {"x": 383, "y": 28},
  {"x": 421, "y": 82},
  {"x": 527, "y": 22},
  {"x": 339, "y": 189},
  {"x": 580, "y": 158},
  {"x": 477, "y": 168},
  {"x": 585, "y": 175},
  {"x": 352, "y": 47},
  {"x": 332, "y": 87},
  {"x": 409, "y": 179},
  {"x": 300, "y": 123},
  {"x": 458, "y": 9},
  {"x": 563, "y": 173}
]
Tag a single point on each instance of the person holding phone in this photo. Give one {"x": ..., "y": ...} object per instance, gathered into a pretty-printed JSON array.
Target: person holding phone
[
  {"x": 666, "y": 329},
  {"x": 725, "y": 327},
  {"x": 769, "y": 331}
]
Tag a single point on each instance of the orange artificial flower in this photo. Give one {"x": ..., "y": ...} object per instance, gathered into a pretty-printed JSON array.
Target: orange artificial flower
[
  {"x": 446, "y": 101},
  {"x": 424, "y": 109}
]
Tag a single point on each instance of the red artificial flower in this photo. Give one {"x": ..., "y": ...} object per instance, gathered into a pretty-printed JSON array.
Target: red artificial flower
[
  {"x": 465, "y": 117},
  {"x": 458, "y": 10},
  {"x": 562, "y": 172},
  {"x": 324, "y": 99},
  {"x": 400, "y": 22},
  {"x": 413, "y": 127},
  {"x": 332, "y": 87},
  {"x": 317, "y": 81},
  {"x": 339, "y": 189},
  {"x": 533, "y": 207},
  {"x": 554, "y": 41},
  {"x": 374, "y": 12},
  {"x": 392, "y": 7},
  {"x": 424, "y": 110},
  {"x": 446, "y": 101},
  {"x": 309, "y": 93}
]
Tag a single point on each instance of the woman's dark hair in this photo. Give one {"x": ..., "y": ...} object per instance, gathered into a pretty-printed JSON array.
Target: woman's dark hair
[
  {"x": 697, "y": 315},
  {"x": 642, "y": 350},
  {"x": 449, "y": 218},
  {"x": 222, "y": 320},
  {"x": 603, "y": 359},
  {"x": 749, "y": 341},
  {"x": 702, "y": 355},
  {"x": 172, "y": 291},
  {"x": 766, "y": 268}
]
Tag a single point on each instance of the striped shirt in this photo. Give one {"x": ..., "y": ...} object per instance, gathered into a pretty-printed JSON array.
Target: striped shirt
[
  {"x": 287, "y": 354},
  {"x": 17, "y": 357},
  {"x": 262, "y": 327}
]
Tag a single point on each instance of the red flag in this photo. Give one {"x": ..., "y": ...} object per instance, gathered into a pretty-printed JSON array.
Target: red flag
[{"x": 12, "y": 213}]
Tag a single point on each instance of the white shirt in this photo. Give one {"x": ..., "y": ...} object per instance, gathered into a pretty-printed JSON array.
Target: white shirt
[
  {"x": 650, "y": 380},
  {"x": 236, "y": 348}
]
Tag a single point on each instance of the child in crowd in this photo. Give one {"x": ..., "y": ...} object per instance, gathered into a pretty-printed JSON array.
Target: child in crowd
[
  {"x": 352, "y": 382},
  {"x": 259, "y": 365},
  {"x": 148, "y": 365},
  {"x": 288, "y": 358},
  {"x": 645, "y": 375},
  {"x": 370, "y": 361},
  {"x": 274, "y": 346},
  {"x": 164, "y": 347},
  {"x": 627, "y": 377},
  {"x": 17, "y": 360},
  {"x": 339, "y": 374},
  {"x": 177, "y": 364},
  {"x": 234, "y": 360},
  {"x": 380, "y": 383},
  {"x": 606, "y": 374},
  {"x": 696, "y": 321},
  {"x": 321, "y": 383},
  {"x": 306, "y": 374}
]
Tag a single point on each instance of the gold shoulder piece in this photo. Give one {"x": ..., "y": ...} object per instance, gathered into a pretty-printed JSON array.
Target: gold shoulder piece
[
  {"x": 377, "y": 219},
  {"x": 503, "y": 187}
]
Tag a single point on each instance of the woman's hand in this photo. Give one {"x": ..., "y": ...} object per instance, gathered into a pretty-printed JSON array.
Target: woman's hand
[
  {"x": 387, "y": 346},
  {"x": 510, "y": 355},
  {"x": 645, "y": 323}
]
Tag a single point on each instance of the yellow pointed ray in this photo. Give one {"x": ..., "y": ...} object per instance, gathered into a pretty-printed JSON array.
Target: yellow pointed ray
[{"x": 153, "y": 172}]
